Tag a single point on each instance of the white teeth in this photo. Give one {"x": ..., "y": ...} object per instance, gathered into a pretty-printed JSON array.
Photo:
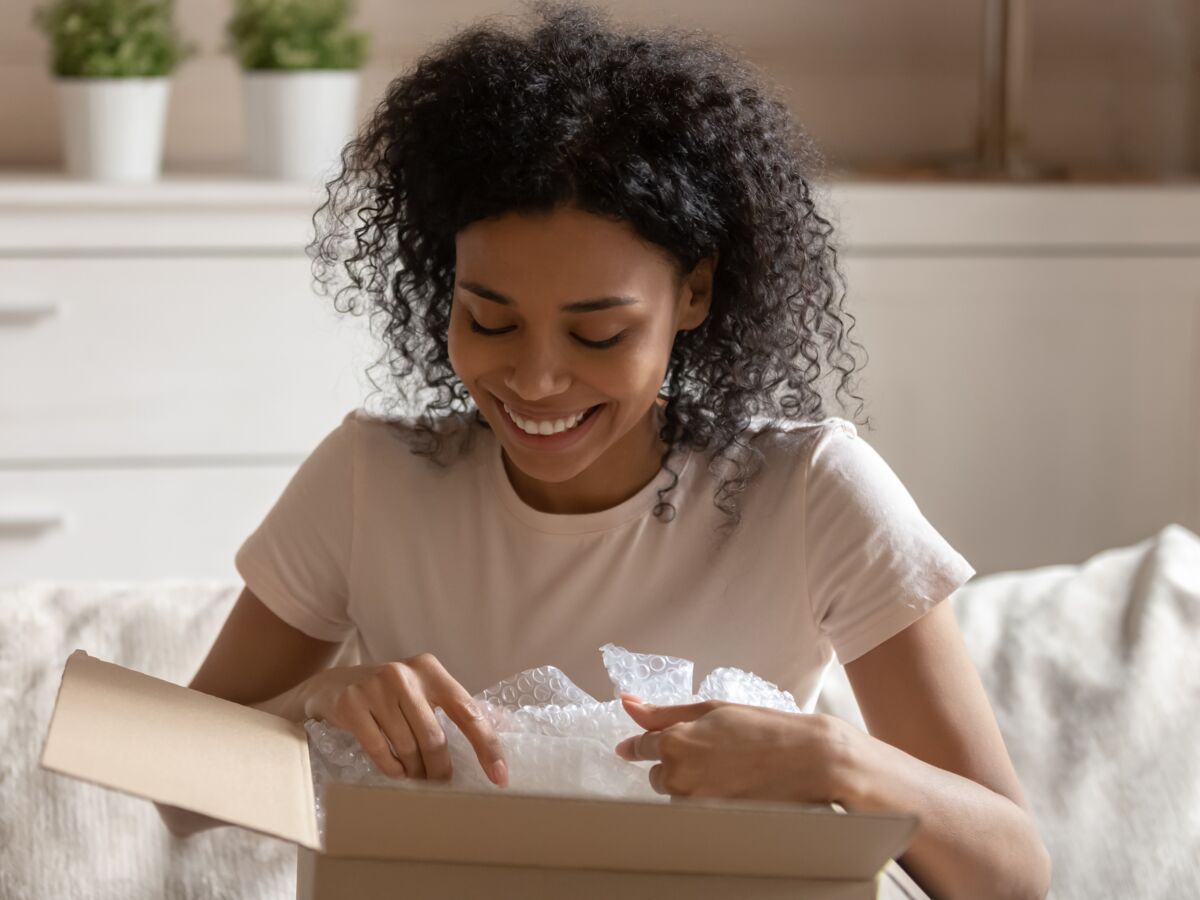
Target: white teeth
[{"x": 530, "y": 426}]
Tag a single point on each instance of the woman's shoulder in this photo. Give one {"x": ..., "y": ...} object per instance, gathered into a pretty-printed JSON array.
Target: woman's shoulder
[
  {"x": 442, "y": 438},
  {"x": 796, "y": 438},
  {"x": 785, "y": 452},
  {"x": 773, "y": 455}
]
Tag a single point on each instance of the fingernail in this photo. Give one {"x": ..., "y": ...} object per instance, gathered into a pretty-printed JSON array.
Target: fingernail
[
  {"x": 634, "y": 698},
  {"x": 622, "y": 747},
  {"x": 500, "y": 773}
]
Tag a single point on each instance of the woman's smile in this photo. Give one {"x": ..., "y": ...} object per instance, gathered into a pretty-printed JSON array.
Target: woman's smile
[{"x": 550, "y": 433}]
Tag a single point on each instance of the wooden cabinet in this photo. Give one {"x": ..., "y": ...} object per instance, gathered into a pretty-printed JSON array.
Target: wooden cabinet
[
  {"x": 1034, "y": 373},
  {"x": 1039, "y": 408},
  {"x": 115, "y": 520},
  {"x": 164, "y": 367},
  {"x": 159, "y": 356}
]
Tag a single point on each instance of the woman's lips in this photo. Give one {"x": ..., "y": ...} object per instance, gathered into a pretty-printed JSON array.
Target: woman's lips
[{"x": 558, "y": 441}]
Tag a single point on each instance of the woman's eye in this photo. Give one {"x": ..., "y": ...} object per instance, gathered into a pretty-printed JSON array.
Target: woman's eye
[
  {"x": 479, "y": 329},
  {"x": 598, "y": 345}
]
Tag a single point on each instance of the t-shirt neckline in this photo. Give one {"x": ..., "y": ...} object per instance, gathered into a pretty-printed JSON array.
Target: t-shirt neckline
[{"x": 634, "y": 507}]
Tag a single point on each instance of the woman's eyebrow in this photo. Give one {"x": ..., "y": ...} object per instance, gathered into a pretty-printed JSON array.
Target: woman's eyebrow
[{"x": 593, "y": 305}]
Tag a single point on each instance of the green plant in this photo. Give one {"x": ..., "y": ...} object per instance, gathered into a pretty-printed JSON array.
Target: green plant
[
  {"x": 112, "y": 38},
  {"x": 295, "y": 34}
]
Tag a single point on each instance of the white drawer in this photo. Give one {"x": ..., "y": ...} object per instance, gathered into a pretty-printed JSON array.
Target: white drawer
[
  {"x": 172, "y": 356},
  {"x": 118, "y": 524}
]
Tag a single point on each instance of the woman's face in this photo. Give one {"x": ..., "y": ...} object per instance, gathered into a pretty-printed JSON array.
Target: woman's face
[{"x": 584, "y": 314}]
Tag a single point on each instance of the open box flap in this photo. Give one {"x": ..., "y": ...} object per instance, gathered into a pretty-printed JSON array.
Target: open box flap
[
  {"x": 144, "y": 736},
  {"x": 711, "y": 837}
]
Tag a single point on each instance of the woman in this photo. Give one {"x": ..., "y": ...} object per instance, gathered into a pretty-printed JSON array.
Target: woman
[{"x": 605, "y": 288}]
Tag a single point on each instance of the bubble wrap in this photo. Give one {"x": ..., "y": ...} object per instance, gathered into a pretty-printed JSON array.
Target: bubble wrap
[{"x": 557, "y": 738}]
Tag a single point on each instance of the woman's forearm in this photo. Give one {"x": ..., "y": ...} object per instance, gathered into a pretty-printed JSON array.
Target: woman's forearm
[
  {"x": 972, "y": 842},
  {"x": 291, "y": 704}
]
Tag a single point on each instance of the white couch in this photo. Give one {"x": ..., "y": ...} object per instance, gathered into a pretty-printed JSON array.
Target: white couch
[{"x": 1093, "y": 670}]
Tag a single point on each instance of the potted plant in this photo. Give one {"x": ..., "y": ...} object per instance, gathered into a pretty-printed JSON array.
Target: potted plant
[
  {"x": 112, "y": 61},
  {"x": 300, "y": 64}
]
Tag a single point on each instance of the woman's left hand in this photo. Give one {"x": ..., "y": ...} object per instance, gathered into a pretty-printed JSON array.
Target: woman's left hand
[{"x": 718, "y": 749}]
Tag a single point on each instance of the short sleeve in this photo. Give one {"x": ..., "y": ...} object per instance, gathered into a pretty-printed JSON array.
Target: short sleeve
[
  {"x": 297, "y": 561},
  {"x": 874, "y": 563}
]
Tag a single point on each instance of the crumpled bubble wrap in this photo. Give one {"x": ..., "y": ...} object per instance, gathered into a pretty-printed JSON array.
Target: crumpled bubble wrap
[{"x": 557, "y": 738}]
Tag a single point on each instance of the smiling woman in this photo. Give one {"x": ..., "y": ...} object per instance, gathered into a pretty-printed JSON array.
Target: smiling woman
[
  {"x": 536, "y": 365},
  {"x": 608, "y": 299},
  {"x": 516, "y": 175}
]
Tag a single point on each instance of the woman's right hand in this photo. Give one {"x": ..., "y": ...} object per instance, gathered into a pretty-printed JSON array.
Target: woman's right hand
[{"x": 394, "y": 704}]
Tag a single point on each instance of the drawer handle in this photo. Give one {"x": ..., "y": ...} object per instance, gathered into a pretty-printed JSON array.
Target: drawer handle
[
  {"x": 26, "y": 313},
  {"x": 14, "y": 526}
]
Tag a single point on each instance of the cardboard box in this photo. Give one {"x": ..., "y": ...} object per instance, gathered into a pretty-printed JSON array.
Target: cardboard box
[{"x": 143, "y": 736}]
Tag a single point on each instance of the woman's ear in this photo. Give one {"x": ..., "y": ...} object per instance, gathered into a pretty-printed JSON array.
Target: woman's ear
[{"x": 697, "y": 294}]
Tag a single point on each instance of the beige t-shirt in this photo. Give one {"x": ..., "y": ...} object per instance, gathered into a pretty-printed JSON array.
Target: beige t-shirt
[{"x": 373, "y": 542}]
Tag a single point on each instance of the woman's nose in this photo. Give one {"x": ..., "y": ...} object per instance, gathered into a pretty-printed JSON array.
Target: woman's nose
[{"x": 537, "y": 373}]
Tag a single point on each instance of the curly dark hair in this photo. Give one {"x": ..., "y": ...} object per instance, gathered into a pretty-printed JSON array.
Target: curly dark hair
[{"x": 665, "y": 129}]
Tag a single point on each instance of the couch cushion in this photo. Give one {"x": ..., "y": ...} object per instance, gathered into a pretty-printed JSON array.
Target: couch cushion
[
  {"x": 65, "y": 839},
  {"x": 1092, "y": 671},
  {"x": 1094, "y": 674}
]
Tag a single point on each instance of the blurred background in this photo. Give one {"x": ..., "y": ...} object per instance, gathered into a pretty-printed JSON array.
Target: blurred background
[
  {"x": 1014, "y": 184},
  {"x": 1109, "y": 88}
]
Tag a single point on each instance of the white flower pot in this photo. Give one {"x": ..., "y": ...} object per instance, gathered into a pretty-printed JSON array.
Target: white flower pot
[
  {"x": 298, "y": 122},
  {"x": 113, "y": 127}
]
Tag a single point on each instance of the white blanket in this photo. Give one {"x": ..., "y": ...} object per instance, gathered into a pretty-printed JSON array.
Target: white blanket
[
  {"x": 62, "y": 839},
  {"x": 1094, "y": 672}
]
